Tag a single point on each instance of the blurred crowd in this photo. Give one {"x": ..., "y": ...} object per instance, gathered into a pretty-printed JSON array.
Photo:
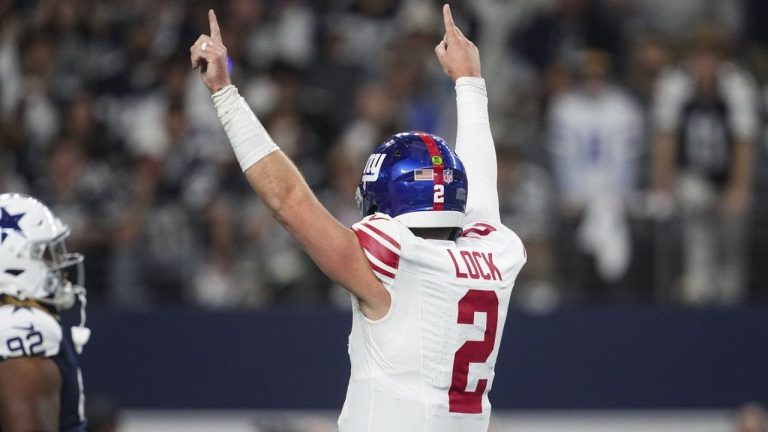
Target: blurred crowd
[{"x": 630, "y": 136}]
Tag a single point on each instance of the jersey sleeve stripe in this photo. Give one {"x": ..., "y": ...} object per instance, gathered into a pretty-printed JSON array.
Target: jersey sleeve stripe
[
  {"x": 490, "y": 228},
  {"x": 367, "y": 229},
  {"x": 474, "y": 232},
  {"x": 378, "y": 250},
  {"x": 479, "y": 229},
  {"x": 383, "y": 235},
  {"x": 378, "y": 263},
  {"x": 380, "y": 270}
]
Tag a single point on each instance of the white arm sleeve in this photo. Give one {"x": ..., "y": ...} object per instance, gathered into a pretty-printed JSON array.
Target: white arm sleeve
[
  {"x": 740, "y": 93},
  {"x": 249, "y": 139},
  {"x": 474, "y": 145}
]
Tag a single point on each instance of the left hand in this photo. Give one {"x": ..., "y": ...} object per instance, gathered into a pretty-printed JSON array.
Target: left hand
[
  {"x": 210, "y": 55},
  {"x": 457, "y": 54}
]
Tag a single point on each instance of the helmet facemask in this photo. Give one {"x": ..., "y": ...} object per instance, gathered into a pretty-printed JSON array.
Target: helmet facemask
[
  {"x": 65, "y": 277},
  {"x": 364, "y": 206}
]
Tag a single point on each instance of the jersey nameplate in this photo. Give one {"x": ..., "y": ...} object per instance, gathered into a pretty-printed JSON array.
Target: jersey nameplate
[{"x": 474, "y": 265}]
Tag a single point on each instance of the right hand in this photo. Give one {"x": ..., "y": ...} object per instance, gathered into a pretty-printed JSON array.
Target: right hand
[
  {"x": 457, "y": 54},
  {"x": 210, "y": 55}
]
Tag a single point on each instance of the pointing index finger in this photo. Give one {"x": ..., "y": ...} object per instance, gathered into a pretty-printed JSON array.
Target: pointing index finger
[
  {"x": 448, "y": 18},
  {"x": 215, "y": 31}
]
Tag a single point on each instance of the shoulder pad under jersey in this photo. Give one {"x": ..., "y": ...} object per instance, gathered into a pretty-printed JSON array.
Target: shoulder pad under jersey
[
  {"x": 28, "y": 332},
  {"x": 379, "y": 236}
]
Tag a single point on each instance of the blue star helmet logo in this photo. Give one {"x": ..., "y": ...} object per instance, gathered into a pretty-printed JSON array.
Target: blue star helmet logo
[{"x": 9, "y": 222}]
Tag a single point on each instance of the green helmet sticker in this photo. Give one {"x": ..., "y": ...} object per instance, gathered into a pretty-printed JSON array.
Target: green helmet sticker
[{"x": 437, "y": 160}]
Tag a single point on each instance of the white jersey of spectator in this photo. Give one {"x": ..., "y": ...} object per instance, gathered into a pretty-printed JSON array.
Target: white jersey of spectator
[
  {"x": 595, "y": 139},
  {"x": 737, "y": 91},
  {"x": 428, "y": 365},
  {"x": 711, "y": 134}
]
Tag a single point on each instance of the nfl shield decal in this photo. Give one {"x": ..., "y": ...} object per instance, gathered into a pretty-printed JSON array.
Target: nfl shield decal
[{"x": 448, "y": 176}]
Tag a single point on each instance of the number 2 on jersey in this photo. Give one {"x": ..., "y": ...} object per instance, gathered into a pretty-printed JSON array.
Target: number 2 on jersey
[{"x": 459, "y": 399}]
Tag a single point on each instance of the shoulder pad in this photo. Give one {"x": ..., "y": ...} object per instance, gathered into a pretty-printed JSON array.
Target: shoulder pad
[
  {"x": 379, "y": 236},
  {"x": 28, "y": 332},
  {"x": 495, "y": 233},
  {"x": 478, "y": 230}
]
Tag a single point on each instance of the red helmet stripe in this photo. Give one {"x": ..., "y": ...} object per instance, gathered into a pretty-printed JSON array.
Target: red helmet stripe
[{"x": 437, "y": 167}]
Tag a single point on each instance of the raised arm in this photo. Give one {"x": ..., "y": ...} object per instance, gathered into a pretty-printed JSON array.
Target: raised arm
[
  {"x": 460, "y": 59},
  {"x": 277, "y": 181}
]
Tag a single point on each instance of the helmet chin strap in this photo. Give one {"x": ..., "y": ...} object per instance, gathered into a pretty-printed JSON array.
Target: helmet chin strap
[{"x": 81, "y": 333}]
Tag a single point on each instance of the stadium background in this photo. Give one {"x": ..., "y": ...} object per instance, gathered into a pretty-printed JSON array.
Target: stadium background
[{"x": 200, "y": 303}]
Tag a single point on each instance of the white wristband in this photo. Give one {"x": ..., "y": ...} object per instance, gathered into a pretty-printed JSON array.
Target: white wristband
[
  {"x": 248, "y": 138},
  {"x": 472, "y": 101}
]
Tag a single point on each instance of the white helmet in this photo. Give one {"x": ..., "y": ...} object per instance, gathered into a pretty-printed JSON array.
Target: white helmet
[{"x": 34, "y": 263}]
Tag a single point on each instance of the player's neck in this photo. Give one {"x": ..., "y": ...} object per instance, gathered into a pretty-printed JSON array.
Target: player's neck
[
  {"x": 435, "y": 233},
  {"x": 6, "y": 299}
]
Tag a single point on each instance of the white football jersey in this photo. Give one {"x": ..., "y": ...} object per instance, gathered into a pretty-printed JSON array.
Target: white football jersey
[
  {"x": 428, "y": 365},
  {"x": 28, "y": 332}
]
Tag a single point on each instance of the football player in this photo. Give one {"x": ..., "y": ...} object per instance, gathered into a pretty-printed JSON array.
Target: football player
[
  {"x": 41, "y": 387},
  {"x": 430, "y": 267}
]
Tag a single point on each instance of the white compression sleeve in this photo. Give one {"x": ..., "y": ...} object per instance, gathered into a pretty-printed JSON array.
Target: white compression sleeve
[
  {"x": 474, "y": 145},
  {"x": 249, "y": 139}
]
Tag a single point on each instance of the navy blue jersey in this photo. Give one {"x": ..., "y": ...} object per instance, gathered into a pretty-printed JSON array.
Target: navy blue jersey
[
  {"x": 707, "y": 140},
  {"x": 28, "y": 332}
]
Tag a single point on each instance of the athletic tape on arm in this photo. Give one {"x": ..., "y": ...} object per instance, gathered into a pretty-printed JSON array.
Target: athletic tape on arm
[{"x": 248, "y": 138}]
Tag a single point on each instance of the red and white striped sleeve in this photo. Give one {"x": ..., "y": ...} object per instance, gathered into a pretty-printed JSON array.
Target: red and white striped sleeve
[
  {"x": 379, "y": 236},
  {"x": 477, "y": 230}
]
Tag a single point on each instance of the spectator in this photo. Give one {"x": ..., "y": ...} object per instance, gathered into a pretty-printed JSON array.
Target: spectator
[
  {"x": 649, "y": 56},
  {"x": 374, "y": 119},
  {"x": 338, "y": 199},
  {"x": 39, "y": 114},
  {"x": 595, "y": 132},
  {"x": 78, "y": 190},
  {"x": 558, "y": 35},
  {"x": 157, "y": 242},
  {"x": 368, "y": 26},
  {"x": 706, "y": 124},
  {"x": 526, "y": 201},
  {"x": 676, "y": 19},
  {"x": 332, "y": 81},
  {"x": 284, "y": 35}
]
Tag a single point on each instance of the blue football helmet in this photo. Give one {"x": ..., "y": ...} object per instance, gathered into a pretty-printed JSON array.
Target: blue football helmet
[{"x": 415, "y": 178}]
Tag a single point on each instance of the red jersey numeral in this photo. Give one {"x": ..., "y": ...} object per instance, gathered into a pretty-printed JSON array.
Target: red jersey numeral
[{"x": 459, "y": 399}]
